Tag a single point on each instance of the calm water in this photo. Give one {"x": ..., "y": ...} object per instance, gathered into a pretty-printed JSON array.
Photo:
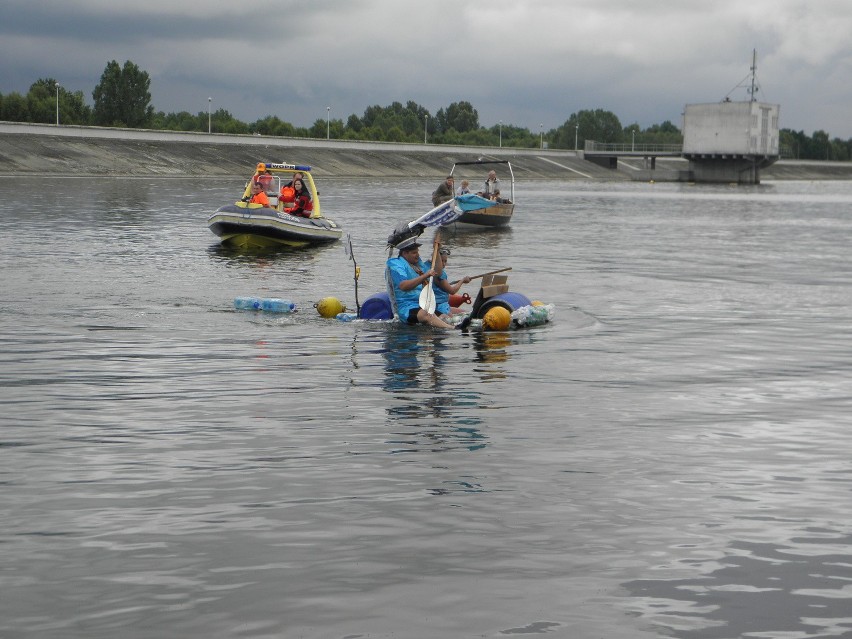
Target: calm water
[{"x": 669, "y": 457}]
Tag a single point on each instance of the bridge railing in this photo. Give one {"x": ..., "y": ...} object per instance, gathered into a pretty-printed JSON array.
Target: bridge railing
[{"x": 619, "y": 148}]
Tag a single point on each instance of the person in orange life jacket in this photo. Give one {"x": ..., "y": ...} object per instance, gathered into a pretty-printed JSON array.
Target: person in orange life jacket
[
  {"x": 302, "y": 204},
  {"x": 257, "y": 195},
  {"x": 288, "y": 194},
  {"x": 265, "y": 180}
]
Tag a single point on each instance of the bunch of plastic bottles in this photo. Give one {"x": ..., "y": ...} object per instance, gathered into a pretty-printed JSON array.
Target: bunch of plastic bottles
[{"x": 533, "y": 315}]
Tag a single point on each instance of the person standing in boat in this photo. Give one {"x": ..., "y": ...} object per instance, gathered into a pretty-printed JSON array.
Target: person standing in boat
[
  {"x": 407, "y": 274},
  {"x": 302, "y": 203},
  {"x": 464, "y": 189},
  {"x": 258, "y": 196},
  {"x": 441, "y": 285},
  {"x": 444, "y": 192}
]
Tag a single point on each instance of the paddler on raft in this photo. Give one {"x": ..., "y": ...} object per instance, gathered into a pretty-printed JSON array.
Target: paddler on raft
[
  {"x": 443, "y": 287},
  {"x": 407, "y": 274}
]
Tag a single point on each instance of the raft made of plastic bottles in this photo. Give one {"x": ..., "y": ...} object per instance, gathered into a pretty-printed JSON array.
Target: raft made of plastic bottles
[{"x": 268, "y": 304}]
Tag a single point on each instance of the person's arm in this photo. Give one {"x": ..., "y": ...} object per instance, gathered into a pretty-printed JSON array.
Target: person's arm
[
  {"x": 414, "y": 282},
  {"x": 453, "y": 288}
]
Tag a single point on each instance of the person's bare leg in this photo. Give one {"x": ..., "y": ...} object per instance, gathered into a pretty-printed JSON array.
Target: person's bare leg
[{"x": 433, "y": 320}]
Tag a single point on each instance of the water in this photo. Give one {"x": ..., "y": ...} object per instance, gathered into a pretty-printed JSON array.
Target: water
[{"x": 668, "y": 457}]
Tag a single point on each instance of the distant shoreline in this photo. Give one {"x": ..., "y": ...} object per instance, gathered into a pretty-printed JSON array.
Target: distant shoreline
[{"x": 28, "y": 149}]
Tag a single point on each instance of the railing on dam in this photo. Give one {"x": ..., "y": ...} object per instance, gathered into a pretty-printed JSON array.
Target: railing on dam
[{"x": 631, "y": 149}]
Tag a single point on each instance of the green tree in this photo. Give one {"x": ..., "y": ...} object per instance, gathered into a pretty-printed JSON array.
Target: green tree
[
  {"x": 41, "y": 101},
  {"x": 181, "y": 121},
  {"x": 459, "y": 116},
  {"x": 122, "y": 97},
  {"x": 272, "y": 125},
  {"x": 14, "y": 108},
  {"x": 598, "y": 125}
]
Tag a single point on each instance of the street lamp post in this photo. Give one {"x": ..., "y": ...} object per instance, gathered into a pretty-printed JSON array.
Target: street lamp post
[
  {"x": 327, "y": 123},
  {"x": 633, "y": 141},
  {"x": 501, "y": 134},
  {"x": 209, "y": 127},
  {"x": 576, "y": 133},
  {"x": 57, "y": 103},
  {"x": 540, "y": 136},
  {"x": 425, "y": 128}
]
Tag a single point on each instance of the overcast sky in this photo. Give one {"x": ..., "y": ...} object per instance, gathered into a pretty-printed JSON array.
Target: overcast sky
[{"x": 529, "y": 63}]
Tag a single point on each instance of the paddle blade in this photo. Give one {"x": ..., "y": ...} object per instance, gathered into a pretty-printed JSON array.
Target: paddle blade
[{"x": 427, "y": 297}]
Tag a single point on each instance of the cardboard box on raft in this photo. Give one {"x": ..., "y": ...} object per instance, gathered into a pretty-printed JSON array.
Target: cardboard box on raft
[{"x": 494, "y": 285}]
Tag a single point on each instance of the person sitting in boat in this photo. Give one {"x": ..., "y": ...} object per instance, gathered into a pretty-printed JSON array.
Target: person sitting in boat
[
  {"x": 407, "y": 274},
  {"x": 287, "y": 194},
  {"x": 302, "y": 203},
  {"x": 442, "y": 286},
  {"x": 444, "y": 191},
  {"x": 258, "y": 196},
  {"x": 492, "y": 187},
  {"x": 464, "y": 189},
  {"x": 265, "y": 180},
  {"x": 296, "y": 176}
]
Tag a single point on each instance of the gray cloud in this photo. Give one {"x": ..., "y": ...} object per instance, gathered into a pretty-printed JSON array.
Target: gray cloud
[{"x": 523, "y": 63}]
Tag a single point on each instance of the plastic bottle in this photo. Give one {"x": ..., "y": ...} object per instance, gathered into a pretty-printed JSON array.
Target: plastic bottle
[
  {"x": 247, "y": 303},
  {"x": 270, "y": 304},
  {"x": 277, "y": 305}
]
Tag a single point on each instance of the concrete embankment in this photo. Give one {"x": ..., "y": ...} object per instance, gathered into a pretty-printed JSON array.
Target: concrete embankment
[{"x": 92, "y": 151}]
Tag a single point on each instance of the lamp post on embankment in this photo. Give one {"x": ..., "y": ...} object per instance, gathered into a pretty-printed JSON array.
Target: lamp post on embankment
[
  {"x": 209, "y": 102},
  {"x": 576, "y": 133},
  {"x": 57, "y": 103},
  {"x": 327, "y": 123},
  {"x": 425, "y": 128}
]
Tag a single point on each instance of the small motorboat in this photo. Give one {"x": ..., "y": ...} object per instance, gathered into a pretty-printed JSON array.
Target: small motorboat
[
  {"x": 248, "y": 225},
  {"x": 501, "y": 212}
]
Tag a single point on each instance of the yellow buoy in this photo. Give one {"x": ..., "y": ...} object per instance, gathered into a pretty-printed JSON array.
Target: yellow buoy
[
  {"x": 329, "y": 307},
  {"x": 536, "y": 303},
  {"x": 496, "y": 319}
]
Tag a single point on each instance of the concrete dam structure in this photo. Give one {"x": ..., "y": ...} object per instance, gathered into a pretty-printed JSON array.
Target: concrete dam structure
[{"x": 730, "y": 141}]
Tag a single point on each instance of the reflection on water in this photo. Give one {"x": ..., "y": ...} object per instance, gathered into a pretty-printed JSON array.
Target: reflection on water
[
  {"x": 471, "y": 238},
  {"x": 431, "y": 410},
  {"x": 491, "y": 351},
  {"x": 668, "y": 457},
  {"x": 757, "y": 590}
]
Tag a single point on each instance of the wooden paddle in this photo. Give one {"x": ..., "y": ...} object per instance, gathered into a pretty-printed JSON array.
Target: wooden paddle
[
  {"x": 427, "y": 295},
  {"x": 499, "y": 270}
]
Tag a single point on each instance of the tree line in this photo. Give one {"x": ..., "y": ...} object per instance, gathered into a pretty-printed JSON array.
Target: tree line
[{"x": 122, "y": 98}]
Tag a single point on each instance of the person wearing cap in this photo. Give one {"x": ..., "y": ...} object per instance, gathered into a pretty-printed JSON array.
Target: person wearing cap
[
  {"x": 441, "y": 284},
  {"x": 444, "y": 191},
  {"x": 407, "y": 274}
]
